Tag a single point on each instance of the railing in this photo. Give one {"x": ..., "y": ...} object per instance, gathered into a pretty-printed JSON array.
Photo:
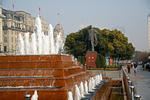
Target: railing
[
  {"x": 130, "y": 90},
  {"x": 126, "y": 84}
]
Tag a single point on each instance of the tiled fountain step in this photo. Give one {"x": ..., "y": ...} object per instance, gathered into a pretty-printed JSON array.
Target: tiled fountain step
[
  {"x": 43, "y": 94},
  {"x": 43, "y": 81},
  {"x": 39, "y": 71},
  {"x": 36, "y": 61},
  {"x": 29, "y": 87},
  {"x": 21, "y": 58},
  {"x": 37, "y": 64},
  {"x": 59, "y": 72}
]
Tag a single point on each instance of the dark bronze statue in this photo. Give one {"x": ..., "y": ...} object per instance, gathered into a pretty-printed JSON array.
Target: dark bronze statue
[{"x": 91, "y": 38}]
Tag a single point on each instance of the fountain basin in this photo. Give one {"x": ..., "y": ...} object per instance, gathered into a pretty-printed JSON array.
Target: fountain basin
[{"x": 53, "y": 76}]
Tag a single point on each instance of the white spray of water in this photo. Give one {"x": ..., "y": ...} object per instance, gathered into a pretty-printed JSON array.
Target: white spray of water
[
  {"x": 39, "y": 42},
  {"x": 35, "y": 96},
  {"x": 21, "y": 45},
  {"x": 27, "y": 44},
  {"x": 90, "y": 84},
  {"x": 70, "y": 96},
  {"x": 86, "y": 87},
  {"x": 93, "y": 83},
  {"x": 100, "y": 75},
  {"x": 81, "y": 89},
  {"x": 97, "y": 79},
  {"x": 51, "y": 40},
  {"x": 73, "y": 58},
  {"x": 33, "y": 44},
  {"x": 39, "y": 34},
  {"x": 77, "y": 93},
  {"x": 46, "y": 45},
  {"x": 59, "y": 43}
]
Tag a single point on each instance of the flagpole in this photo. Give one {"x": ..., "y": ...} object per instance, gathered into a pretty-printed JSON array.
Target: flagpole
[
  {"x": 39, "y": 10},
  {"x": 13, "y": 5}
]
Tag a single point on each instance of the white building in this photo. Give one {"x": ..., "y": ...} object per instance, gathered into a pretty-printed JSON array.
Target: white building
[{"x": 149, "y": 32}]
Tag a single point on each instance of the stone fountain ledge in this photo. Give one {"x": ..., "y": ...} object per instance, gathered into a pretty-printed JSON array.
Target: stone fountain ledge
[
  {"x": 91, "y": 94},
  {"x": 28, "y": 87},
  {"x": 51, "y": 77},
  {"x": 27, "y": 76}
]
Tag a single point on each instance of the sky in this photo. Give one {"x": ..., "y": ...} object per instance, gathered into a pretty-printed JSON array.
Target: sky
[{"x": 129, "y": 16}]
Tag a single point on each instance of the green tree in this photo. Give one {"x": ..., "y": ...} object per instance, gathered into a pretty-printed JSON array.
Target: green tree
[
  {"x": 112, "y": 43},
  {"x": 75, "y": 44},
  {"x": 100, "y": 61}
]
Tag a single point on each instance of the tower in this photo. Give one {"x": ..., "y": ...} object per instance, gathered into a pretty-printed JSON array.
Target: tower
[{"x": 149, "y": 32}]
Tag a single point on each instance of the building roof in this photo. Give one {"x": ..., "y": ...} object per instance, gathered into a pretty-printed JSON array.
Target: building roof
[
  {"x": 22, "y": 12},
  {"x": 16, "y": 12}
]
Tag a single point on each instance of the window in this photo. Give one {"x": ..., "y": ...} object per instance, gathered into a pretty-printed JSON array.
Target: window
[
  {"x": 5, "y": 32},
  {"x": 5, "y": 39},
  {"x": 5, "y": 48},
  {"x": 0, "y": 48}
]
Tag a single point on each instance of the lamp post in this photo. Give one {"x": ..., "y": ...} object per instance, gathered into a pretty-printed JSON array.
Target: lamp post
[
  {"x": 128, "y": 78},
  {"x": 148, "y": 57},
  {"x": 137, "y": 97},
  {"x": 27, "y": 97},
  {"x": 132, "y": 92},
  {"x": 129, "y": 82}
]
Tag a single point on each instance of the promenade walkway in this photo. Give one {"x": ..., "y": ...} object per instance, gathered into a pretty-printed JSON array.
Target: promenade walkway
[{"x": 141, "y": 81}]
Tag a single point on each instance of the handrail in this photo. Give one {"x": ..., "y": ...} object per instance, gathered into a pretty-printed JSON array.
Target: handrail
[
  {"x": 126, "y": 85},
  {"x": 129, "y": 87}
]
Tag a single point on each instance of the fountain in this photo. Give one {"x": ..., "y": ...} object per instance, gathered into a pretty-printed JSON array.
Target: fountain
[
  {"x": 81, "y": 89},
  {"x": 40, "y": 43},
  {"x": 77, "y": 93},
  {"x": 86, "y": 87},
  {"x": 70, "y": 97},
  {"x": 40, "y": 70},
  {"x": 35, "y": 96}
]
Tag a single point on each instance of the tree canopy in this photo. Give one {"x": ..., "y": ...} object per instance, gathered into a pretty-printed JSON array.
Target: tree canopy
[{"x": 110, "y": 43}]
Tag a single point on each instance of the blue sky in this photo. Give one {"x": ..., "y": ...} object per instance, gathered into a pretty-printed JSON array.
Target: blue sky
[{"x": 129, "y": 16}]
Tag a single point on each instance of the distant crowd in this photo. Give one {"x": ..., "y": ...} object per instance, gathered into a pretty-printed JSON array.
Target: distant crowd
[{"x": 133, "y": 66}]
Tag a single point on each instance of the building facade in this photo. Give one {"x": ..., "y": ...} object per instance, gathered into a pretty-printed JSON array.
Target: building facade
[
  {"x": 149, "y": 32},
  {"x": 58, "y": 28},
  {"x": 11, "y": 24}
]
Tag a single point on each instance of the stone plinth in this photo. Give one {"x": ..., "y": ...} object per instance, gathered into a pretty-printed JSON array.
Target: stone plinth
[{"x": 91, "y": 59}]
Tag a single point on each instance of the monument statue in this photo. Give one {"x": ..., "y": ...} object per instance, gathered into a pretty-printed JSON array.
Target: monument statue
[{"x": 91, "y": 38}]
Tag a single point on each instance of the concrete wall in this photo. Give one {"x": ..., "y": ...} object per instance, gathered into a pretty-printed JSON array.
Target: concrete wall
[{"x": 115, "y": 75}]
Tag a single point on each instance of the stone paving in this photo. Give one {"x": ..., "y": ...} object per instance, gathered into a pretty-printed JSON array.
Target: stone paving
[
  {"x": 115, "y": 75},
  {"x": 141, "y": 81}
]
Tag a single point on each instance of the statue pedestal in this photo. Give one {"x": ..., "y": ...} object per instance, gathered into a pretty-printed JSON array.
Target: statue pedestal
[{"x": 91, "y": 59}]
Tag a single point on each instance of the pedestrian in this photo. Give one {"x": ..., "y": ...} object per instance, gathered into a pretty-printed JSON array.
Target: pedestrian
[
  {"x": 143, "y": 66},
  {"x": 135, "y": 68},
  {"x": 86, "y": 66},
  {"x": 129, "y": 67},
  {"x": 132, "y": 64}
]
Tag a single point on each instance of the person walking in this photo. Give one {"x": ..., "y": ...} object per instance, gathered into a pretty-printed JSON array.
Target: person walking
[
  {"x": 143, "y": 66},
  {"x": 135, "y": 68},
  {"x": 129, "y": 67}
]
